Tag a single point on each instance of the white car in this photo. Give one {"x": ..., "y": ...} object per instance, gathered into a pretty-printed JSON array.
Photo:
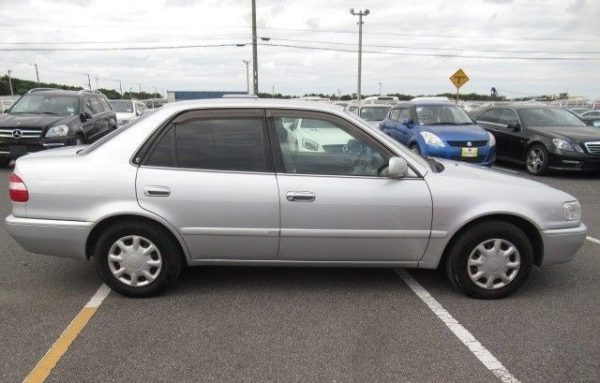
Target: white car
[{"x": 127, "y": 110}]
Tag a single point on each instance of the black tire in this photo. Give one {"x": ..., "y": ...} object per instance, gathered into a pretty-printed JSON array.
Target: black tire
[
  {"x": 466, "y": 245},
  {"x": 536, "y": 160},
  {"x": 4, "y": 162},
  {"x": 169, "y": 253},
  {"x": 415, "y": 148}
]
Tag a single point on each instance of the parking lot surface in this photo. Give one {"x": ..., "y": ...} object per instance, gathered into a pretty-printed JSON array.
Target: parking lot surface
[{"x": 306, "y": 324}]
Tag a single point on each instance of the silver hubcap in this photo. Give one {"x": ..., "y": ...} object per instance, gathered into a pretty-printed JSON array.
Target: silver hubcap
[
  {"x": 535, "y": 160},
  {"x": 134, "y": 261},
  {"x": 494, "y": 263}
]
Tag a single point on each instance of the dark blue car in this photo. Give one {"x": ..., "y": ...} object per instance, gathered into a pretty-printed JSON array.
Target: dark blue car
[{"x": 440, "y": 129}]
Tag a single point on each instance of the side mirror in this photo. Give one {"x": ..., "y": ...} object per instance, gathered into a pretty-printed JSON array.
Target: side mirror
[
  {"x": 397, "y": 167},
  {"x": 514, "y": 126},
  {"x": 406, "y": 121},
  {"x": 84, "y": 116}
]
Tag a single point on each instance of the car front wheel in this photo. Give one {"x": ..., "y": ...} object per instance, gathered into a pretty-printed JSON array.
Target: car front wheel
[
  {"x": 537, "y": 160},
  {"x": 490, "y": 260},
  {"x": 137, "y": 259}
]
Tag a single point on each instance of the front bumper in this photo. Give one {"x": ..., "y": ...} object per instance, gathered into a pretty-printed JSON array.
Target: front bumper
[
  {"x": 486, "y": 155},
  {"x": 568, "y": 160},
  {"x": 14, "y": 149},
  {"x": 50, "y": 237},
  {"x": 560, "y": 245}
]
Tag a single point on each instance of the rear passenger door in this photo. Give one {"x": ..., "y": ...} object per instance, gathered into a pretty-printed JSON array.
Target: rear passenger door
[
  {"x": 515, "y": 141},
  {"x": 99, "y": 124},
  {"x": 210, "y": 174},
  {"x": 490, "y": 121}
]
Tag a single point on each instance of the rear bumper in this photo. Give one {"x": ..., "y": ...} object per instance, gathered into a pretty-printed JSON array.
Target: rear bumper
[
  {"x": 50, "y": 237},
  {"x": 561, "y": 245}
]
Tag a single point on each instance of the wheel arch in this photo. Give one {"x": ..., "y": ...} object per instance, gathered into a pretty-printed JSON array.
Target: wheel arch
[
  {"x": 530, "y": 230},
  {"x": 107, "y": 221}
]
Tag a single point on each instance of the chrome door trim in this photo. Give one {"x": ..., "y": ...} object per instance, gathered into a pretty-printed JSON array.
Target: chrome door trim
[{"x": 335, "y": 233}]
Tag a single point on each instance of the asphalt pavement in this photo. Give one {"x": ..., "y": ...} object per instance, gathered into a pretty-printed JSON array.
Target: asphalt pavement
[{"x": 221, "y": 324}]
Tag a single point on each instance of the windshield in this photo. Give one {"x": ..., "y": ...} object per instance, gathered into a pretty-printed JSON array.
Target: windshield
[
  {"x": 122, "y": 106},
  {"x": 47, "y": 104},
  {"x": 442, "y": 115},
  {"x": 371, "y": 113},
  {"x": 538, "y": 117}
]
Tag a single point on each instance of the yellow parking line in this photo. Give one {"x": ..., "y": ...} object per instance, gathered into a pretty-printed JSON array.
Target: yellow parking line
[{"x": 44, "y": 367}]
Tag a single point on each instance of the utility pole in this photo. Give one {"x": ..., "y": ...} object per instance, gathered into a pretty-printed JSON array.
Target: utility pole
[
  {"x": 140, "y": 87},
  {"x": 10, "y": 82},
  {"x": 273, "y": 92},
  {"x": 254, "y": 50},
  {"x": 37, "y": 74},
  {"x": 380, "y": 88},
  {"x": 360, "y": 15},
  {"x": 247, "y": 62},
  {"x": 120, "y": 88},
  {"x": 89, "y": 81}
]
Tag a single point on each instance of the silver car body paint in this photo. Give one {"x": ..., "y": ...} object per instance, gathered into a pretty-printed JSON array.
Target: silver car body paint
[{"x": 222, "y": 217}]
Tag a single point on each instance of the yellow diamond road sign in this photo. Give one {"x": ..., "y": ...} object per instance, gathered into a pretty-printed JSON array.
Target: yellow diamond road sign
[{"x": 459, "y": 78}]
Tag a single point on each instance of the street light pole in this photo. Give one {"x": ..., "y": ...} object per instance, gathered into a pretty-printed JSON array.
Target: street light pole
[
  {"x": 37, "y": 74},
  {"x": 120, "y": 88},
  {"x": 247, "y": 62},
  {"x": 360, "y": 15},
  {"x": 89, "y": 81},
  {"x": 380, "y": 88},
  {"x": 10, "y": 82},
  {"x": 254, "y": 50}
]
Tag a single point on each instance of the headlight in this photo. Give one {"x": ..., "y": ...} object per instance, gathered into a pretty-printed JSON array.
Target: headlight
[
  {"x": 572, "y": 210},
  {"x": 432, "y": 139},
  {"x": 58, "y": 131},
  {"x": 492, "y": 140},
  {"x": 123, "y": 122},
  {"x": 562, "y": 144},
  {"x": 310, "y": 144}
]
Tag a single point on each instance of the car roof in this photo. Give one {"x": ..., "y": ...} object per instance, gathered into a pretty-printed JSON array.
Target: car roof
[{"x": 254, "y": 103}]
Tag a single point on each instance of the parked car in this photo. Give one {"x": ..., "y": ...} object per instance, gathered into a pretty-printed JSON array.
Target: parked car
[
  {"x": 579, "y": 111},
  {"x": 127, "y": 110},
  {"x": 47, "y": 118},
  {"x": 377, "y": 100},
  {"x": 374, "y": 114},
  {"x": 542, "y": 138},
  {"x": 440, "y": 129},
  {"x": 591, "y": 118},
  {"x": 215, "y": 182}
]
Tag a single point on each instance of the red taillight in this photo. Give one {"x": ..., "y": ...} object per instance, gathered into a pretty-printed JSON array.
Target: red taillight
[{"x": 17, "y": 189}]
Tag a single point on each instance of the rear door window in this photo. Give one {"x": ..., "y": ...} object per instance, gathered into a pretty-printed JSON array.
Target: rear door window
[
  {"x": 237, "y": 144},
  {"x": 492, "y": 115}
]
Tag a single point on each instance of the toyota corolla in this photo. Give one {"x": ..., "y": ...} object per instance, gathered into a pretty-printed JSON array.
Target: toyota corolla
[{"x": 223, "y": 182}]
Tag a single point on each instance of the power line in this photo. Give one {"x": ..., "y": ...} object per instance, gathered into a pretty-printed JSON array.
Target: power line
[
  {"x": 447, "y": 55},
  {"x": 37, "y": 49}
]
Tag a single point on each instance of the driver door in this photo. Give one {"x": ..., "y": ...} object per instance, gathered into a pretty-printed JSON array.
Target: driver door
[{"x": 334, "y": 205}]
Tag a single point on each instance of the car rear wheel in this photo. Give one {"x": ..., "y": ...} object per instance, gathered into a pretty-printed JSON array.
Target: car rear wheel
[
  {"x": 537, "y": 160},
  {"x": 137, "y": 259},
  {"x": 490, "y": 260}
]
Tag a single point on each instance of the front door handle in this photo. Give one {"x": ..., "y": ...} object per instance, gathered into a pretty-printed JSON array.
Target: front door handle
[
  {"x": 157, "y": 191},
  {"x": 300, "y": 196}
]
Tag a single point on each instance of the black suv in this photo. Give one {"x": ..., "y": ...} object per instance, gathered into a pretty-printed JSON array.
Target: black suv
[{"x": 47, "y": 118}]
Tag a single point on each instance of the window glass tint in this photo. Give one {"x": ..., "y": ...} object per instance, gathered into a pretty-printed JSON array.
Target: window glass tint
[
  {"x": 492, "y": 115},
  {"x": 404, "y": 114},
  {"x": 40, "y": 103},
  {"x": 374, "y": 113},
  {"x": 320, "y": 147},
  {"x": 88, "y": 106},
  {"x": 507, "y": 115},
  {"x": 217, "y": 144},
  {"x": 96, "y": 105},
  {"x": 542, "y": 117},
  {"x": 442, "y": 115}
]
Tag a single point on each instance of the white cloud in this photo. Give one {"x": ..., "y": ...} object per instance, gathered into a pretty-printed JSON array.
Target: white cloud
[{"x": 464, "y": 27}]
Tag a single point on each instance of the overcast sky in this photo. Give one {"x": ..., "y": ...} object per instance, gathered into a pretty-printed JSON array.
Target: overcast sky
[{"x": 409, "y": 41}]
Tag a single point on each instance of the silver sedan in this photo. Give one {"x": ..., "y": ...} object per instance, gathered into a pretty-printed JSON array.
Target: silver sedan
[{"x": 260, "y": 182}]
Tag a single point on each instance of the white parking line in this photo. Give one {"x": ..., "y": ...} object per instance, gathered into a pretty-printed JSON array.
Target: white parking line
[
  {"x": 505, "y": 169},
  {"x": 484, "y": 356},
  {"x": 592, "y": 239}
]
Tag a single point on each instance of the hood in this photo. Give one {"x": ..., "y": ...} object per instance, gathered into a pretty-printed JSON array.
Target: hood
[
  {"x": 457, "y": 132},
  {"x": 569, "y": 133},
  {"x": 33, "y": 120}
]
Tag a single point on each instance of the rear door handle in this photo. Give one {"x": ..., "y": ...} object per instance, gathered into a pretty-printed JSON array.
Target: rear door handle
[
  {"x": 157, "y": 191},
  {"x": 300, "y": 196}
]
